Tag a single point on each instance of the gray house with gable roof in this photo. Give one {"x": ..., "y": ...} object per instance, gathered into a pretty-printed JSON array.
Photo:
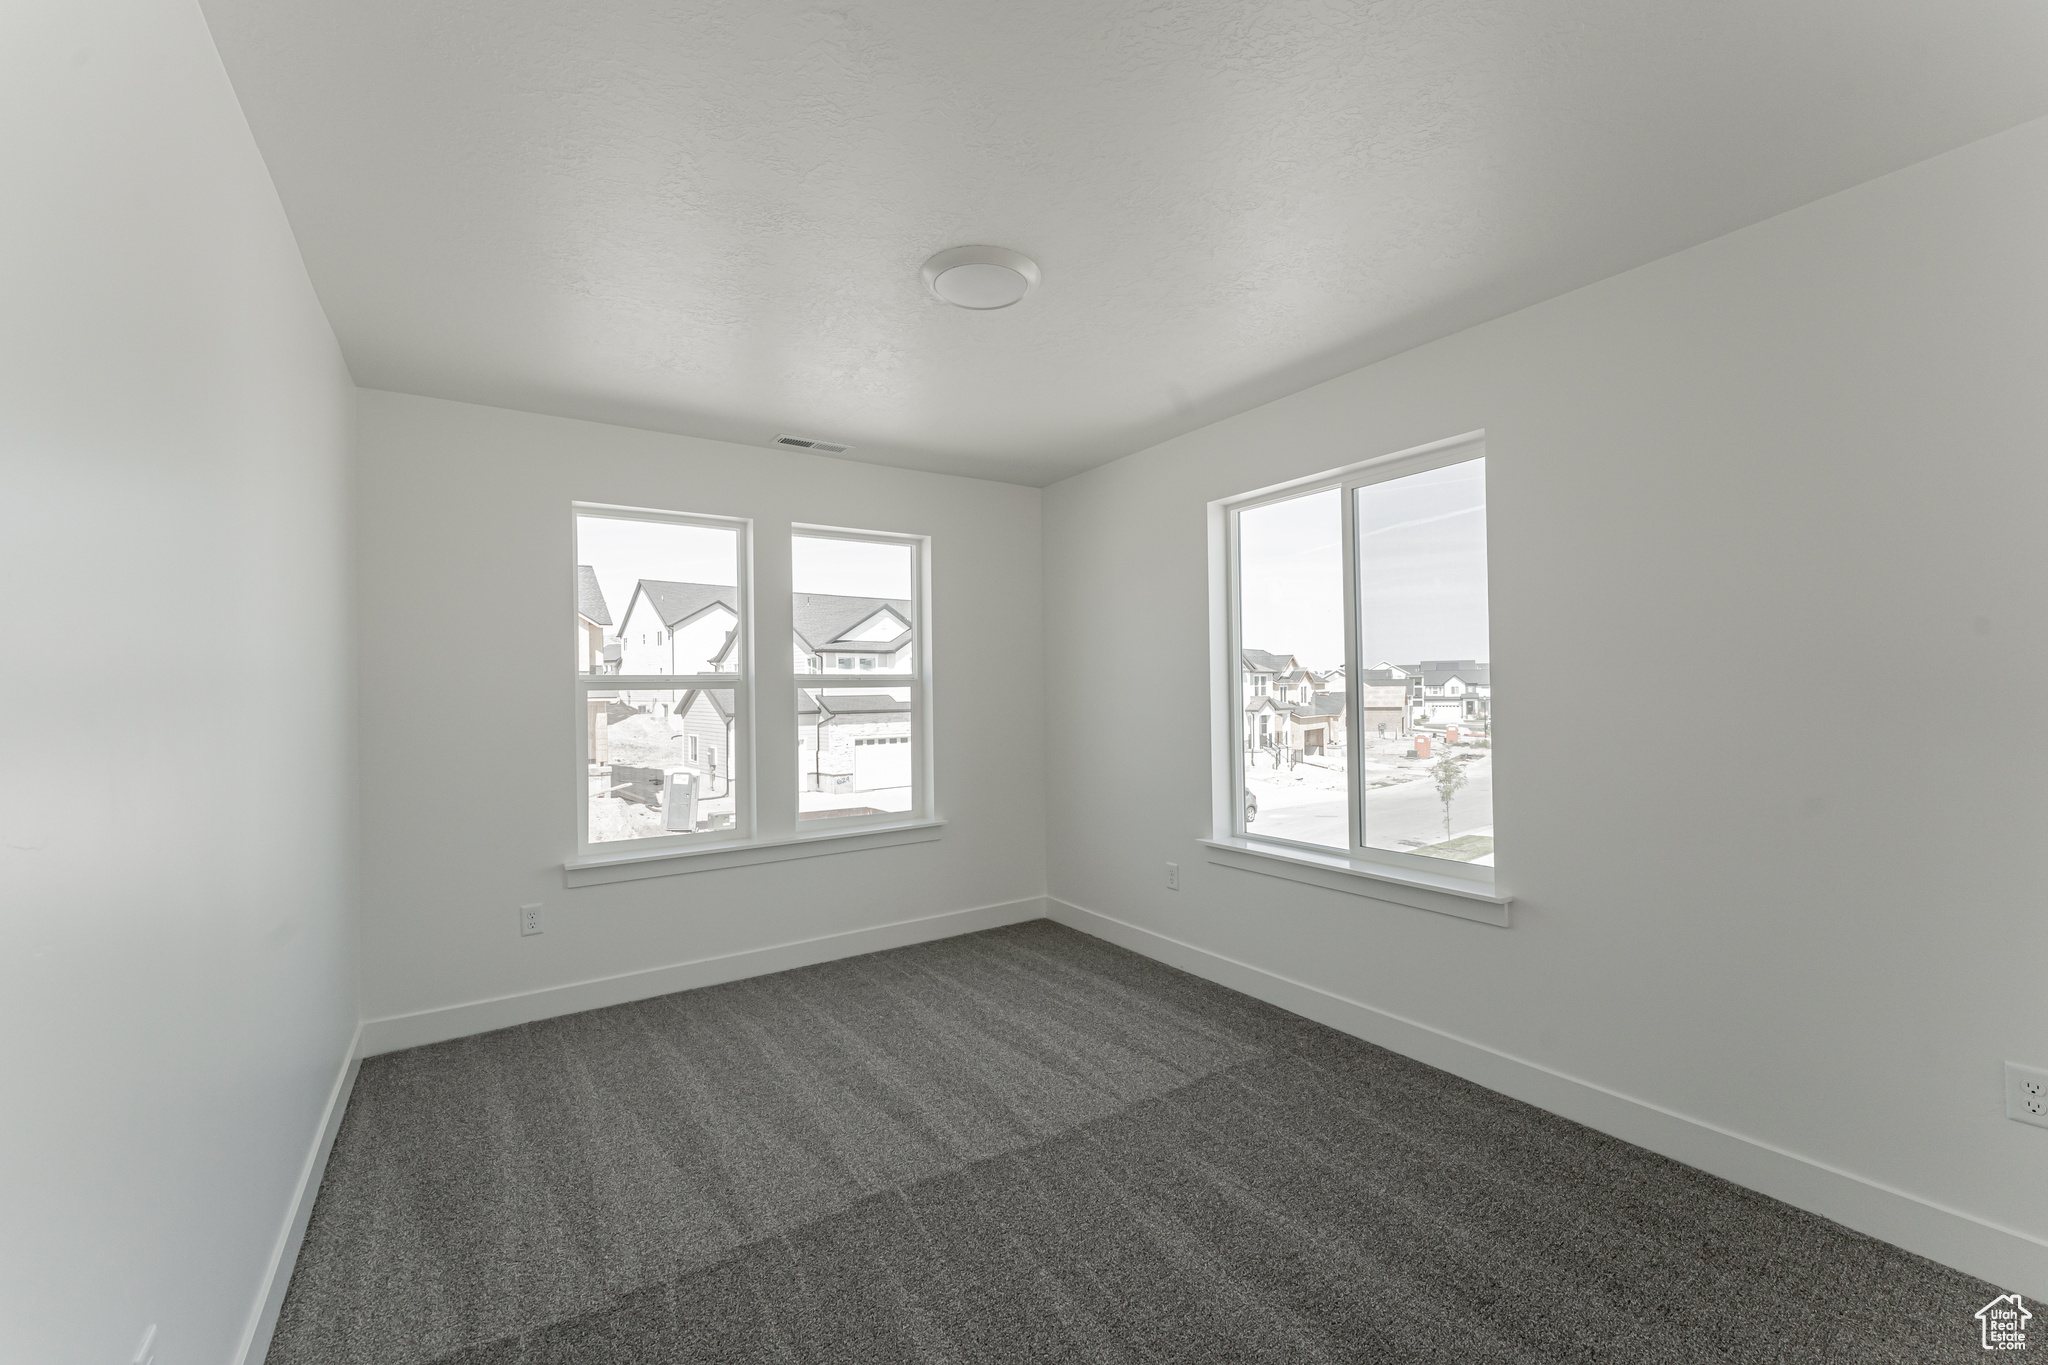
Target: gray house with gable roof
[
  {"x": 852, "y": 741},
  {"x": 1288, "y": 707},
  {"x": 848, "y": 741},
  {"x": 1445, "y": 691},
  {"x": 851, "y": 634},
  {"x": 684, "y": 628},
  {"x": 593, "y": 622},
  {"x": 677, "y": 627}
]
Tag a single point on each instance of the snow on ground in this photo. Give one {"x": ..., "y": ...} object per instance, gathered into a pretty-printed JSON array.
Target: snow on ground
[
  {"x": 612, "y": 819},
  {"x": 644, "y": 741},
  {"x": 888, "y": 799}
]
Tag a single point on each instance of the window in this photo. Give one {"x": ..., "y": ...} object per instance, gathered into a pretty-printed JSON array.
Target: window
[
  {"x": 672, "y": 580},
  {"x": 1384, "y": 561},
  {"x": 862, "y": 749}
]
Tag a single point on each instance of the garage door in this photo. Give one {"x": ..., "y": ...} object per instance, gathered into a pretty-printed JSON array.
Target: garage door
[{"x": 881, "y": 762}]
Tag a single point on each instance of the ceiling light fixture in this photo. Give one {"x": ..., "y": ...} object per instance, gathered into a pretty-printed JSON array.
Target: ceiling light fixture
[{"x": 980, "y": 277}]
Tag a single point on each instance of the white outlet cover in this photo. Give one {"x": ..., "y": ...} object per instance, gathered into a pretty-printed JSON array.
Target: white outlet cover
[
  {"x": 2026, "y": 1094},
  {"x": 529, "y": 919}
]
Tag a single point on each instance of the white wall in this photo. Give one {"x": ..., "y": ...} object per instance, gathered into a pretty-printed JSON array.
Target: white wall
[
  {"x": 178, "y": 976},
  {"x": 469, "y": 715},
  {"x": 1774, "y": 922}
]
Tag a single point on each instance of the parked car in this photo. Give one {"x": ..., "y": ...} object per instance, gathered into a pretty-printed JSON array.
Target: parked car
[{"x": 1251, "y": 806}]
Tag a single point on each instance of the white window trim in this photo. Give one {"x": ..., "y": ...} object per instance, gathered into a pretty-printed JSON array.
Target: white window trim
[
  {"x": 1330, "y": 869},
  {"x": 915, "y": 677},
  {"x": 764, "y": 835},
  {"x": 675, "y": 862},
  {"x": 1404, "y": 878}
]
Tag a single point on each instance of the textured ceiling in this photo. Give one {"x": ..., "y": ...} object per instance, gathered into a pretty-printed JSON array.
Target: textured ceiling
[{"x": 709, "y": 218}]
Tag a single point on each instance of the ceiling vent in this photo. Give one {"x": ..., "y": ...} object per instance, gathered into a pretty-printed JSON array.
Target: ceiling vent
[{"x": 805, "y": 443}]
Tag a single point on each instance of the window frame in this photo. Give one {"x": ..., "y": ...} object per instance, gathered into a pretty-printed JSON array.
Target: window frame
[
  {"x": 916, "y": 678},
  {"x": 1229, "y": 802},
  {"x": 739, "y": 766}
]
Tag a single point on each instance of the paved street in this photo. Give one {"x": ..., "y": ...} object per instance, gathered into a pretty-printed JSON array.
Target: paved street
[{"x": 1409, "y": 810}]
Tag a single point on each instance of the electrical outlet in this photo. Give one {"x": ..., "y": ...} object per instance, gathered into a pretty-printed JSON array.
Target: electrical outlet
[
  {"x": 1173, "y": 876},
  {"x": 2026, "y": 1094},
  {"x": 529, "y": 919},
  {"x": 145, "y": 1354}
]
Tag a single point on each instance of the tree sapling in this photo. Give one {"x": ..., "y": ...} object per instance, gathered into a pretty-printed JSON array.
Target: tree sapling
[{"x": 1450, "y": 779}]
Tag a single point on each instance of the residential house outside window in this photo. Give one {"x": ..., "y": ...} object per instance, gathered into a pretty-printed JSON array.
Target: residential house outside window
[
  {"x": 862, "y": 749},
  {"x": 1379, "y": 571},
  {"x": 658, "y": 707}
]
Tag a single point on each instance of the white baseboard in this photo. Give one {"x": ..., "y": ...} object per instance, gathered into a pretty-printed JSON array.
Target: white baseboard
[
  {"x": 397, "y": 1031},
  {"x": 2005, "y": 1256},
  {"x": 285, "y": 1255}
]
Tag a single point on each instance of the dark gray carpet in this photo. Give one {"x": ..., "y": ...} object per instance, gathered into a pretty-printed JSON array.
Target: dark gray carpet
[{"x": 1028, "y": 1145}]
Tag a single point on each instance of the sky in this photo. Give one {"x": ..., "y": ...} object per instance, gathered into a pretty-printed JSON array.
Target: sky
[
  {"x": 623, "y": 552},
  {"x": 850, "y": 568},
  {"x": 1421, "y": 571}
]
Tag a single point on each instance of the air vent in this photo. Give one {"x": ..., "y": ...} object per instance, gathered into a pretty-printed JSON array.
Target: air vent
[{"x": 805, "y": 443}]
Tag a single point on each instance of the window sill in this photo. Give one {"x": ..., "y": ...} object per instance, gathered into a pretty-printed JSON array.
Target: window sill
[
  {"x": 671, "y": 862},
  {"x": 1420, "y": 890}
]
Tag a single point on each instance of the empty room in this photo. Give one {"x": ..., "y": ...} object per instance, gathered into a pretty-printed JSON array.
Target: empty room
[{"x": 1010, "y": 866}]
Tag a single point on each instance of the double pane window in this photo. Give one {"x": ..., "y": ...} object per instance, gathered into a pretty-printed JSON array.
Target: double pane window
[
  {"x": 854, "y": 608},
  {"x": 669, "y": 758},
  {"x": 1291, "y": 619},
  {"x": 1362, "y": 659},
  {"x": 660, "y": 680}
]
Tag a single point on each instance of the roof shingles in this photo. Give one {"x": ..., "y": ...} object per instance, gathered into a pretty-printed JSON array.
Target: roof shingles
[
  {"x": 676, "y": 603},
  {"x": 590, "y": 597},
  {"x": 822, "y": 618}
]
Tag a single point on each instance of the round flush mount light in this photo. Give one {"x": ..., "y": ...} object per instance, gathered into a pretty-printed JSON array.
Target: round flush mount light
[{"x": 980, "y": 277}]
